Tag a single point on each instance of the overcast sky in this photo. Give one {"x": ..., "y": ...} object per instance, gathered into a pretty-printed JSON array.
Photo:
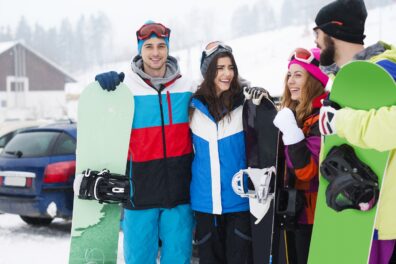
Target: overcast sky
[
  {"x": 125, "y": 15},
  {"x": 50, "y": 12}
]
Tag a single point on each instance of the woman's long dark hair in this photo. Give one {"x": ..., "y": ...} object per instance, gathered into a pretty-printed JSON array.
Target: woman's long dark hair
[{"x": 219, "y": 106}]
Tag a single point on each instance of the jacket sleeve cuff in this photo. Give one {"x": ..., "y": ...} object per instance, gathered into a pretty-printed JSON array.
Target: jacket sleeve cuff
[{"x": 293, "y": 137}]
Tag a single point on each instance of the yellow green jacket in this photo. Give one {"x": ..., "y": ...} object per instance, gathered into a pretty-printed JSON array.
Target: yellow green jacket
[{"x": 376, "y": 129}]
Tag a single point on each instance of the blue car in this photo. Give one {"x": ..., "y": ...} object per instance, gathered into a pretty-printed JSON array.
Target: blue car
[{"x": 37, "y": 169}]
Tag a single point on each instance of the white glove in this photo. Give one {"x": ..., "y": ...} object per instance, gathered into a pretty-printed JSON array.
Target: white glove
[
  {"x": 77, "y": 183},
  {"x": 255, "y": 93},
  {"x": 327, "y": 120},
  {"x": 287, "y": 124}
]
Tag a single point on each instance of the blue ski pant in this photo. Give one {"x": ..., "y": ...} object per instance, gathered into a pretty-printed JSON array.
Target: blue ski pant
[{"x": 144, "y": 228}]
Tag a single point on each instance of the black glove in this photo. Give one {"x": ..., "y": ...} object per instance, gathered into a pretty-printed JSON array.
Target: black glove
[
  {"x": 256, "y": 94},
  {"x": 110, "y": 80}
]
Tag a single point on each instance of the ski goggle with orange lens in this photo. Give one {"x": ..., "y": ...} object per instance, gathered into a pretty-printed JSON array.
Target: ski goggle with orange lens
[
  {"x": 304, "y": 55},
  {"x": 155, "y": 28}
]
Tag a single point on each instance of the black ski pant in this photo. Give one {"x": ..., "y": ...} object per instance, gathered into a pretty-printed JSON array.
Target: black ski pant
[
  {"x": 223, "y": 239},
  {"x": 298, "y": 242}
]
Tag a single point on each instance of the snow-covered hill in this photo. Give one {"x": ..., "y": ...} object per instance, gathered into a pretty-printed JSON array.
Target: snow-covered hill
[{"x": 262, "y": 58}]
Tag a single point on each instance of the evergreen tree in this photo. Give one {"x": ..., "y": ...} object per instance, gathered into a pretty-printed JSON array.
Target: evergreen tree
[
  {"x": 264, "y": 16},
  {"x": 99, "y": 39},
  {"x": 23, "y": 31},
  {"x": 65, "y": 44},
  {"x": 39, "y": 34},
  {"x": 80, "y": 45},
  {"x": 5, "y": 33},
  {"x": 242, "y": 22}
]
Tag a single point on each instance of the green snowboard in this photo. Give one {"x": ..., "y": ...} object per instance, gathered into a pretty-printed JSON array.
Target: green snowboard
[
  {"x": 103, "y": 133},
  {"x": 345, "y": 236}
]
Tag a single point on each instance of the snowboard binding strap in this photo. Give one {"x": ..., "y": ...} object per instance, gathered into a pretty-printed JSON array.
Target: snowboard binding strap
[
  {"x": 104, "y": 187},
  {"x": 260, "y": 196},
  {"x": 260, "y": 178},
  {"x": 353, "y": 185}
]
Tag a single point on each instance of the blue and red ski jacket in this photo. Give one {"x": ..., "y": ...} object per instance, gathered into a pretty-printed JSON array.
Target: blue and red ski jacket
[{"x": 160, "y": 149}]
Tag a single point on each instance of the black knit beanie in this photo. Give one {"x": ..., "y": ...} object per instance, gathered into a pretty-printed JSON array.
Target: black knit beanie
[{"x": 344, "y": 20}]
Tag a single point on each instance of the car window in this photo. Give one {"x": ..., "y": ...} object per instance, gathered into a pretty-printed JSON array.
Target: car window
[
  {"x": 65, "y": 145},
  {"x": 30, "y": 144},
  {"x": 4, "y": 139}
]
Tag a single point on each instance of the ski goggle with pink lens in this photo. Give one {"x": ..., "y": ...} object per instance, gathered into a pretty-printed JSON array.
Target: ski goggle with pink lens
[
  {"x": 304, "y": 55},
  {"x": 216, "y": 45},
  {"x": 155, "y": 28}
]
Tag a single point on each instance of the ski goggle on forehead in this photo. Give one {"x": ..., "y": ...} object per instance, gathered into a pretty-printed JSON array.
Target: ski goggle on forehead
[
  {"x": 215, "y": 45},
  {"x": 155, "y": 28},
  {"x": 303, "y": 55}
]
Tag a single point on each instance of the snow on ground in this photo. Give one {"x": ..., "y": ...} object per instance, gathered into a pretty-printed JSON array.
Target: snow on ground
[{"x": 21, "y": 243}]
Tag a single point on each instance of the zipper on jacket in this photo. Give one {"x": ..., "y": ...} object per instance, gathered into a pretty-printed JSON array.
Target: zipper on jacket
[
  {"x": 162, "y": 87},
  {"x": 168, "y": 99},
  {"x": 167, "y": 203},
  {"x": 162, "y": 120},
  {"x": 131, "y": 191}
]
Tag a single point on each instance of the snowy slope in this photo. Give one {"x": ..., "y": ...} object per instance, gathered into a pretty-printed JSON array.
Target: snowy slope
[{"x": 262, "y": 58}]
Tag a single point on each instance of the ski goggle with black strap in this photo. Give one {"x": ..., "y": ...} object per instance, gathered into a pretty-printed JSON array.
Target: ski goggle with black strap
[
  {"x": 155, "y": 28},
  {"x": 304, "y": 55}
]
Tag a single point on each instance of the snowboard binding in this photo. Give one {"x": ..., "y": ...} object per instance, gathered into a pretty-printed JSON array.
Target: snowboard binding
[
  {"x": 259, "y": 196},
  {"x": 104, "y": 187},
  {"x": 353, "y": 185},
  {"x": 289, "y": 203}
]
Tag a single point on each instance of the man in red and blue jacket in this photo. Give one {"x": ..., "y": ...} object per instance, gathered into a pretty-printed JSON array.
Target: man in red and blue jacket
[{"x": 160, "y": 152}]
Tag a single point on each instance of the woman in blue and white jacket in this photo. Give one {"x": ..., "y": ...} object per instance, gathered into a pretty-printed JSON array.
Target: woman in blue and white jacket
[{"x": 222, "y": 217}]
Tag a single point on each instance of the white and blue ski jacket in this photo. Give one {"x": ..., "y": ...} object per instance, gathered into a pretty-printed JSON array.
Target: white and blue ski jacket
[{"x": 219, "y": 150}]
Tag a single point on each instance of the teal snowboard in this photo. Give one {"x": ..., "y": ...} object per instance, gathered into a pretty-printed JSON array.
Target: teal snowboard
[
  {"x": 345, "y": 237},
  {"x": 103, "y": 133}
]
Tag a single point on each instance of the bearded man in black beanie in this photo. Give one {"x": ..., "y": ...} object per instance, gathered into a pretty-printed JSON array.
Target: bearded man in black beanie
[
  {"x": 339, "y": 34},
  {"x": 340, "y": 27}
]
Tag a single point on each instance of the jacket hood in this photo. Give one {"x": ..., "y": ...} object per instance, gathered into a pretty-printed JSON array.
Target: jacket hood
[
  {"x": 370, "y": 51},
  {"x": 172, "y": 71},
  {"x": 376, "y": 52}
]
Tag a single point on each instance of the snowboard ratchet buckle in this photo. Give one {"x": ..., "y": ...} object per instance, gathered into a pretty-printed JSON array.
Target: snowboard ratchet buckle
[{"x": 104, "y": 186}]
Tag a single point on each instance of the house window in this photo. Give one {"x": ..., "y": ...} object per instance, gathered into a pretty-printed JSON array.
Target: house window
[{"x": 17, "y": 88}]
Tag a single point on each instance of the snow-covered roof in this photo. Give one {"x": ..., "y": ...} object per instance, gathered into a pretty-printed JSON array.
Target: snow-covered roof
[{"x": 4, "y": 46}]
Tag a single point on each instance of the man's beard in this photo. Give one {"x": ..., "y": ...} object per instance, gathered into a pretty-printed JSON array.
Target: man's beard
[{"x": 328, "y": 53}]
